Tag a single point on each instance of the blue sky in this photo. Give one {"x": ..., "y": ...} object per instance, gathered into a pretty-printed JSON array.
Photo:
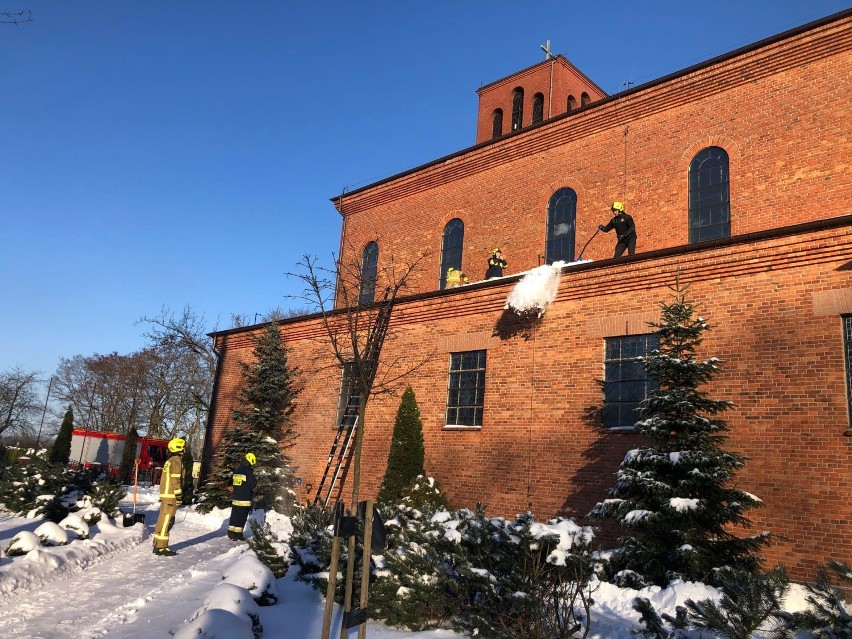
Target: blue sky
[{"x": 183, "y": 153}]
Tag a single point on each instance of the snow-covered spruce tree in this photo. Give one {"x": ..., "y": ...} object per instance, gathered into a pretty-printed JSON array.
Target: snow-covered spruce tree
[
  {"x": 524, "y": 579},
  {"x": 272, "y": 552},
  {"x": 60, "y": 452},
  {"x": 126, "y": 466},
  {"x": 828, "y": 616},
  {"x": 262, "y": 426},
  {"x": 676, "y": 493},
  {"x": 187, "y": 487},
  {"x": 405, "y": 460},
  {"x": 415, "y": 585}
]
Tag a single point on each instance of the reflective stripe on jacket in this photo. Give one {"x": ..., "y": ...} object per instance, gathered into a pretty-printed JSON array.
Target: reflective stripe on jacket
[
  {"x": 171, "y": 479},
  {"x": 244, "y": 483}
]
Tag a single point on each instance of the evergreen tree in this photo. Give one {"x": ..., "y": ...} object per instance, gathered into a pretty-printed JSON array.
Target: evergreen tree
[
  {"x": 60, "y": 452},
  {"x": 405, "y": 460},
  {"x": 676, "y": 493},
  {"x": 262, "y": 426},
  {"x": 126, "y": 467},
  {"x": 187, "y": 487},
  {"x": 271, "y": 551}
]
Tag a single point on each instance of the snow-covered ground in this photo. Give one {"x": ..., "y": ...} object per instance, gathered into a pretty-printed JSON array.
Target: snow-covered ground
[{"x": 113, "y": 586}]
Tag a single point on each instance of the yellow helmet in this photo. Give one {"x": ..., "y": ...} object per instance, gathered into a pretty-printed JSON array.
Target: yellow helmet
[
  {"x": 251, "y": 458},
  {"x": 450, "y": 270},
  {"x": 617, "y": 206},
  {"x": 495, "y": 251},
  {"x": 177, "y": 445}
]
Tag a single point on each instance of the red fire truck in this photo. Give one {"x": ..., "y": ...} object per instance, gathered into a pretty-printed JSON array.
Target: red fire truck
[{"x": 103, "y": 450}]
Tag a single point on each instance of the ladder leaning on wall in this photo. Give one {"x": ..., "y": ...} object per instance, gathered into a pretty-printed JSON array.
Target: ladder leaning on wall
[{"x": 340, "y": 454}]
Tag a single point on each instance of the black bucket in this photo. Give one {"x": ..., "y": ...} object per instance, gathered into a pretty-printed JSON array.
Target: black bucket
[{"x": 129, "y": 519}]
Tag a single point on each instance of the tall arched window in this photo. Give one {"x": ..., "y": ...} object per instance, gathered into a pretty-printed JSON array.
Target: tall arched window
[
  {"x": 572, "y": 103},
  {"x": 451, "y": 248},
  {"x": 709, "y": 196},
  {"x": 517, "y": 109},
  {"x": 585, "y": 99},
  {"x": 538, "y": 108},
  {"x": 497, "y": 124},
  {"x": 369, "y": 266},
  {"x": 561, "y": 216}
]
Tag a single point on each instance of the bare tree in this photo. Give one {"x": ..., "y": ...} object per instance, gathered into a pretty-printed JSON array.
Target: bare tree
[
  {"x": 356, "y": 327},
  {"x": 185, "y": 335},
  {"x": 107, "y": 392},
  {"x": 9, "y": 17},
  {"x": 19, "y": 401}
]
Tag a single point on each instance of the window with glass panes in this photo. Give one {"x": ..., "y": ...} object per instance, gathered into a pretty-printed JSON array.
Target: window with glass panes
[
  {"x": 517, "y": 109},
  {"x": 709, "y": 196},
  {"x": 847, "y": 345},
  {"x": 466, "y": 388},
  {"x": 369, "y": 264},
  {"x": 451, "y": 248},
  {"x": 626, "y": 383},
  {"x": 561, "y": 216}
]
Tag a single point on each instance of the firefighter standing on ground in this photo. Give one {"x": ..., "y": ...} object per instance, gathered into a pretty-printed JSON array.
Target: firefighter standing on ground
[
  {"x": 244, "y": 484},
  {"x": 625, "y": 229},
  {"x": 170, "y": 493},
  {"x": 496, "y": 264}
]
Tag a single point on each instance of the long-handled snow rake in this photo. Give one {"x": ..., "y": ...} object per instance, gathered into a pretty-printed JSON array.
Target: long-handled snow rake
[
  {"x": 597, "y": 230},
  {"x": 129, "y": 519}
]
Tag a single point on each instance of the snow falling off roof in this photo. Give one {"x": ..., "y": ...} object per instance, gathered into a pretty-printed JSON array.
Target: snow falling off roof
[{"x": 535, "y": 290}]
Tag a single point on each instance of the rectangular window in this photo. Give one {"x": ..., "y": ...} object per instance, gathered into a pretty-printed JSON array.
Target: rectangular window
[
  {"x": 466, "y": 389},
  {"x": 847, "y": 347},
  {"x": 626, "y": 383}
]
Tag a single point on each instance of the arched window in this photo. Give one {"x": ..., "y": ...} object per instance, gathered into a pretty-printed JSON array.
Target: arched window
[
  {"x": 709, "y": 196},
  {"x": 451, "y": 248},
  {"x": 517, "y": 109},
  {"x": 561, "y": 216},
  {"x": 369, "y": 265},
  {"x": 585, "y": 99},
  {"x": 497, "y": 124},
  {"x": 538, "y": 108},
  {"x": 572, "y": 103}
]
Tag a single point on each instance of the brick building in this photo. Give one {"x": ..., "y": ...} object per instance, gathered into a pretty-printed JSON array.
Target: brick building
[{"x": 737, "y": 173}]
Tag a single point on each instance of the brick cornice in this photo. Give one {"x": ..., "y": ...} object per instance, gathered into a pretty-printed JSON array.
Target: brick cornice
[{"x": 824, "y": 241}]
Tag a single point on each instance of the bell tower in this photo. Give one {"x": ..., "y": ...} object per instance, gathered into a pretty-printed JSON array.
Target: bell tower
[{"x": 535, "y": 94}]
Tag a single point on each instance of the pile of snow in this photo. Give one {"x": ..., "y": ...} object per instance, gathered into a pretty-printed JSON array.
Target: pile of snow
[
  {"x": 35, "y": 556},
  {"x": 537, "y": 289},
  {"x": 250, "y": 573},
  {"x": 228, "y": 611}
]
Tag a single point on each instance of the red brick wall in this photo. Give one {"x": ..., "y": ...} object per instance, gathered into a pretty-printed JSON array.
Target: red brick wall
[
  {"x": 782, "y": 367},
  {"x": 780, "y": 112},
  {"x": 555, "y": 79}
]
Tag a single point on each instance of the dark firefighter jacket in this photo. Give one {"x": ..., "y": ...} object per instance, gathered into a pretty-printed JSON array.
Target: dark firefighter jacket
[
  {"x": 171, "y": 479},
  {"x": 244, "y": 483},
  {"x": 623, "y": 225},
  {"x": 496, "y": 266}
]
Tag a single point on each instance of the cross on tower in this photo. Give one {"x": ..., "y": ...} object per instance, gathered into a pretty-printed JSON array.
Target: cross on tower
[{"x": 546, "y": 49}]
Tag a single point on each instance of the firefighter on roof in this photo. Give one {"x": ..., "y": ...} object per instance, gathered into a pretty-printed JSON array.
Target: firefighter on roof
[
  {"x": 496, "y": 264},
  {"x": 625, "y": 229},
  {"x": 455, "y": 278},
  {"x": 244, "y": 484},
  {"x": 170, "y": 493}
]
